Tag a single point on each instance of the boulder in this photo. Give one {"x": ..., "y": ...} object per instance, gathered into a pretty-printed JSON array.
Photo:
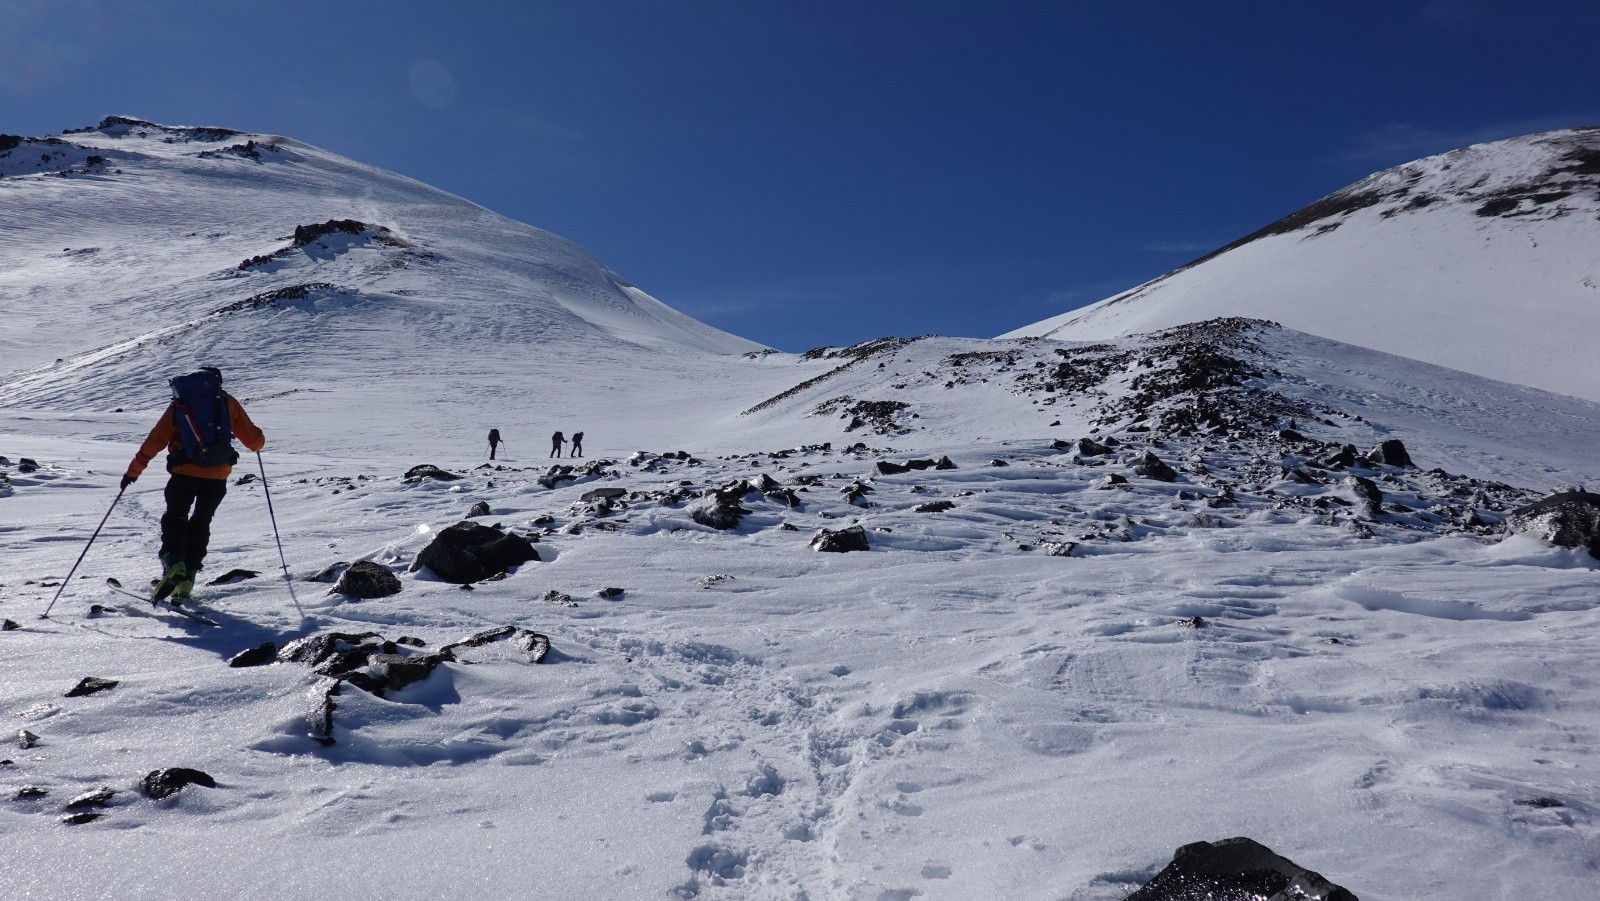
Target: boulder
[
  {"x": 719, "y": 508},
  {"x": 1368, "y": 494},
  {"x": 165, "y": 783},
  {"x": 468, "y": 552},
  {"x": 1567, "y": 518},
  {"x": 840, "y": 541},
  {"x": 365, "y": 579},
  {"x": 1088, "y": 447},
  {"x": 535, "y": 645},
  {"x": 98, "y": 797},
  {"x": 429, "y": 471},
  {"x": 331, "y": 572},
  {"x": 1237, "y": 869},
  {"x": 481, "y": 508},
  {"x": 934, "y": 507},
  {"x": 609, "y": 494},
  {"x": 1150, "y": 466},
  {"x": 1108, "y": 481},
  {"x": 260, "y": 655},
  {"x": 887, "y": 468},
  {"x": 1391, "y": 453},
  {"x": 399, "y": 670},
  {"x": 944, "y": 463},
  {"x": 88, "y": 685}
]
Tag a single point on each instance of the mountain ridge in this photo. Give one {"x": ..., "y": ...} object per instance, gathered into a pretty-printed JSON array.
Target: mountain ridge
[{"x": 1485, "y": 259}]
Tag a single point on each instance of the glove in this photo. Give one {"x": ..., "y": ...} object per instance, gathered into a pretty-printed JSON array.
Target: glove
[{"x": 128, "y": 480}]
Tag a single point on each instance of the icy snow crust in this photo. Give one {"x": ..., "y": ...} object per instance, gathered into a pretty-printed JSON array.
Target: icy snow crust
[
  {"x": 1485, "y": 259},
  {"x": 1039, "y": 692}
]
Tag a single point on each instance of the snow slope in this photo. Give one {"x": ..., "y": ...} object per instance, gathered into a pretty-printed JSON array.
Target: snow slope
[
  {"x": 1484, "y": 259},
  {"x": 1036, "y": 684},
  {"x": 1398, "y": 701},
  {"x": 174, "y": 248}
]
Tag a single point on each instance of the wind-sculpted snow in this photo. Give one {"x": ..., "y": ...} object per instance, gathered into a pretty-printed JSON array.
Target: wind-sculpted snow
[{"x": 1484, "y": 259}]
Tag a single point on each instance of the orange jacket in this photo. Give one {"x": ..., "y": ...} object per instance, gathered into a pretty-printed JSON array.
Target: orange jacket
[{"x": 165, "y": 435}]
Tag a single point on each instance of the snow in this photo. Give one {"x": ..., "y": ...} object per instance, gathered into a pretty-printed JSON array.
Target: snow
[
  {"x": 953, "y": 713},
  {"x": 1513, "y": 296}
]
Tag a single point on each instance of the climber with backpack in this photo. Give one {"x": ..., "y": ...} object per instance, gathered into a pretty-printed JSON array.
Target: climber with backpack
[{"x": 197, "y": 430}]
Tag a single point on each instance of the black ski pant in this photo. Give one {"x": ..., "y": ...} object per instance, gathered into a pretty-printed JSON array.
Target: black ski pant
[
  {"x": 186, "y": 526},
  {"x": 492, "y": 446},
  {"x": 577, "y": 450}
]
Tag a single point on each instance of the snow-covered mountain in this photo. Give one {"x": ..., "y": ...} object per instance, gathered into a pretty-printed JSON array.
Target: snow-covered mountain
[
  {"x": 132, "y": 251},
  {"x": 1484, "y": 259},
  {"x": 1114, "y": 597}
]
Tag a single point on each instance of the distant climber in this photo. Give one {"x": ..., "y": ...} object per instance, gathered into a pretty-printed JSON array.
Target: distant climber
[
  {"x": 577, "y": 445},
  {"x": 197, "y": 431},
  {"x": 494, "y": 441},
  {"x": 556, "y": 441}
]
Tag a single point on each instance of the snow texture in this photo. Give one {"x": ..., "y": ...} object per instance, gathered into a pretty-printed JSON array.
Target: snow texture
[{"x": 1036, "y": 682}]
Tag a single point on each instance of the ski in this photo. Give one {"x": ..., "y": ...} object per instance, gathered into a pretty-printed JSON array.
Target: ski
[{"x": 160, "y": 604}]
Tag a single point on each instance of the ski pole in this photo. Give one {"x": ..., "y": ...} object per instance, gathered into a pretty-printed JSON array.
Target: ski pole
[
  {"x": 46, "y": 613},
  {"x": 288, "y": 580}
]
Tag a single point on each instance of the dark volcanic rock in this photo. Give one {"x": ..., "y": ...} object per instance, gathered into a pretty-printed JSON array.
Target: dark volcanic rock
[
  {"x": 1237, "y": 869},
  {"x": 365, "y": 579},
  {"x": 891, "y": 469},
  {"x": 331, "y": 572},
  {"x": 260, "y": 655},
  {"x": 429, "y": 471},
  {"x": 165, "y": 783},
  {"x": 7, "y": 625},
  {"x": 934, "y": 507},
  {"x": 1369, "y": 494},
  {"x": 1566, "y": 519},
  {"x": 840, "y": 541},
  {"x": 610, "y": 494},
  {"x": 234, "y": 575},
  {"x": 26, "y": 739},
  {"x": 481, "y": 508},
  {"x": 945, "y": 463},
  {"x": 1088, "y": 447},
  {"x": 99, "y": 797},
  {"x": 535, "y": 645},
  {"x": 399, "y": 670},
  {"x": 91, "y": 684},
  {"x": 719, "y": 508},
  {"x": 469, "y": 552},
  {"x": 1150, "y": 466},
  {"x": 1109, "y": 480},
  {"x": 1391, "y": 453}
]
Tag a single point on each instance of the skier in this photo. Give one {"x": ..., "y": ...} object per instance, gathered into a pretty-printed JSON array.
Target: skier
[
  {"x": 195, "y": 490},
  {"x": 556, "y": 441},
  {"x": 577, "y": 445},
  {"x": 494, "y": 441}
]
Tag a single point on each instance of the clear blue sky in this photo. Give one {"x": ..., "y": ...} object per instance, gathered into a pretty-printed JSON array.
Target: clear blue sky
[{"x": 819, "y": 172}]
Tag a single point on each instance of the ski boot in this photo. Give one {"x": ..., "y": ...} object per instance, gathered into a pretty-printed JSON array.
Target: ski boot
[{"x": 175, "y": 575}]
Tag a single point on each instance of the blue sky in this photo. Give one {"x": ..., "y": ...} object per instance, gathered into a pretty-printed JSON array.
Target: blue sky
[{"x": 806, "y": 173}]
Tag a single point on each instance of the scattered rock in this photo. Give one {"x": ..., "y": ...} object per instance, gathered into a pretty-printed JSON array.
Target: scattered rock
[
  {"x": 944, "y": 463},
  {"x": 1542, "y": 802},
  {"x": 1088, "y": 447},
  {"x": 234, "y": 575},
  {"x": 26, "y": 739},
  {"x": 719, "y": 508},
  {"x": 27, "y": 464},
  {"x": 78, "y": 819},
  {"x": 469, "y": 552},
  {"x": 1236, "y": 869},
  {"x": 481, "y": 508},
  {"x": 934, "y": 507},
  {"x": 891, "y": 469},
  {"x": 165, "y": 783},
  {"x": 840, "y": 541},
  {"x": 330, "y": 573},
  {"x": 7, "y": 625},
  {"x": 559, "y": 598},
  {"x": 28, "y": 792},
  {"x": 610, "y": 494},
  {"x": 88, "y": 685},
  {"x": 1194, "y": 622},
  {"x": 533, "y": 644},
  {"x": 365, "y": 579},
  {"x": 1150, "y": 466},
  {"x": 260, "y": 655},
  {"x": 1059, "y": 548},
  {"x": 1368, "y": 493},
  {"x": 399, "y": 670},
  {"x": 1108, "y": 481},
  {"x": 429, "y": 471},
  {"x": 1566, "y": 519},
  {"x": 1391, "y": 453},
  {"x": 998, "y": 463},
  {"x": 610, "y": 592},
  {"x": 99, "y": 797}
]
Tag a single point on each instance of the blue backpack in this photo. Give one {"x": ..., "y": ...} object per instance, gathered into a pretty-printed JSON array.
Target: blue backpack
[{"x": 205, "y": 431}]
